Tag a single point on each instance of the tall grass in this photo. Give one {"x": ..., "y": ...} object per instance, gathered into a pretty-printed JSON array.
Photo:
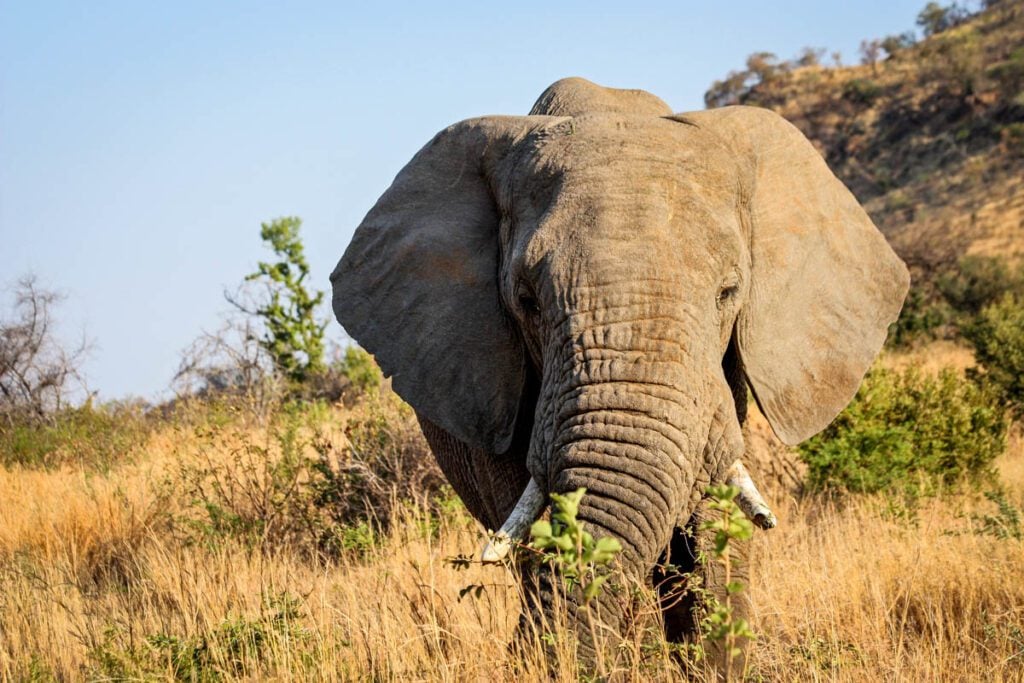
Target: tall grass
[{"x": 103, "y": 576}]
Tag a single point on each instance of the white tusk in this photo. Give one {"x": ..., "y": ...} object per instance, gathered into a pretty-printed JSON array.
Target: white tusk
[
  {"x": 523, "y": 515},
  {"x": 749, "y": 498}
]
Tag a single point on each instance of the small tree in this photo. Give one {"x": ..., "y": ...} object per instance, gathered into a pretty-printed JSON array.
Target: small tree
[
  {"x": 765, "y": 67},
  {"x": 739, "y": 87},
  {"x": 35, "y": 368},
  {"x": 293, "y": 336},
  {"x": 870, "y": 53},
  {"x": 934, "y": 18},
  {"x": 728, "y": 91},
  {"x": 810, "y": 56},
  {"x": 978, "y": 281},
  {"x": 896, "y": 43}
]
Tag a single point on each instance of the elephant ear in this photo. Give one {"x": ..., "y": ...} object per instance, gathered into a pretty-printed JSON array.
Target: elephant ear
[
  {"x": 825, "y": 285},
  {"x": 418, "y": 285}
]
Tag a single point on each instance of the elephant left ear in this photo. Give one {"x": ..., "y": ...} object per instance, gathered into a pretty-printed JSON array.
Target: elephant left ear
[{"x": 825, "y": 285}]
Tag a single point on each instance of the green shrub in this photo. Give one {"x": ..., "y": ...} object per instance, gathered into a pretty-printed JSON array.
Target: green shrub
[
  {"x": 360, "y": 369},
  {"x": 923, "y": 316},
  {"x": 1004, "y": 523},
  {"x": 997, "y": 335},
  {"x": 910, "y": 434},
  {"x": 978, "y": 281},
  {"x": 96, "y": 437},
  {"x": 861, "y": 91},
  {"x": 945, "y": 304},
  {"x": 1009, "y": 74},
  {"x": 935, "y": 18},
  {"x": 897, "y": 43}
]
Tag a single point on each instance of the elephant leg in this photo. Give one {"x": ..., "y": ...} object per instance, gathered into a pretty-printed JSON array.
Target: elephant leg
[
  {"x": 488, "y": 484},
  {"x": 695, "y": 580}
]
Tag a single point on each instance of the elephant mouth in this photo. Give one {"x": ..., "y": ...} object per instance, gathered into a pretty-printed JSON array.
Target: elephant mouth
[{"x": 532, "y": 502}]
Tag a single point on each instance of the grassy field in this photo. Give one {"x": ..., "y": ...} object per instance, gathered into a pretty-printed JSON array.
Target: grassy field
[{"x": 153, "y": 569}]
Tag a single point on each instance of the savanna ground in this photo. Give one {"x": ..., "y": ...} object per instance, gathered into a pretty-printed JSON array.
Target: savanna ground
[{"x": 202, "y": 552}]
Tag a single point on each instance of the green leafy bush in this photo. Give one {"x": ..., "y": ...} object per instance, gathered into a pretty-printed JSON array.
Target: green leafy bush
[
  {"x": 96, "y": 437},
  {"x": 911, "y": 434},
  {"x": 234, "y": 648},
  {"x": 922, "y": 318},
  {"x": 997, "y": 335},
  {"x": 360, "y": 369},
  {"x": 978, "y": 281},
  {"x": 861, "y": 91},
  {"x": 1004, "y": 523},
  {"x": 577, "y": 556},
  {"x": 1009, "y": 74},
  {"x": 720, "y": 623},
  {"x": 945, "y": 304}
]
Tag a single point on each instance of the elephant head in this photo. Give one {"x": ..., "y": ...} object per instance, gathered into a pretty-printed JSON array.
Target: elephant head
[{"x": 587, "y": 290}]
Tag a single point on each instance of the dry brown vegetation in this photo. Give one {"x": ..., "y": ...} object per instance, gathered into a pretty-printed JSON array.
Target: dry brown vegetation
[{"x": 119, "y": 575}]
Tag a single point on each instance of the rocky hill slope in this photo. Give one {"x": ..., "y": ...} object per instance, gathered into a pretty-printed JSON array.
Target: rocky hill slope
[{"x": 929, "y": 133}]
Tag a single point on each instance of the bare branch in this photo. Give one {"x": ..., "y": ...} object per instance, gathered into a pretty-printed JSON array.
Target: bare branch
[
  {"x": 229, "y": 361},
  {"x": 36, "y": 370}
]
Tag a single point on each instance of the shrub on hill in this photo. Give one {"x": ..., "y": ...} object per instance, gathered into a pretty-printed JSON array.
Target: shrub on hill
[
  {"x": 909, "y": 434},
  {"x": 997, "y": 335},
  {"x": 947, "y": 303}
]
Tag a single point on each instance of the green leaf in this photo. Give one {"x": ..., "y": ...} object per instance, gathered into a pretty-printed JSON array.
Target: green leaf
[
  {"x": 541, "y": 529},
  {"x": 592, "y": 588}
]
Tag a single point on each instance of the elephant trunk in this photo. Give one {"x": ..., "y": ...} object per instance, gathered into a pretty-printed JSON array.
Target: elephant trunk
[
  {"x": 632, "y": 447},
  {"x": 634, "y": 455},
  {"x": 631, "y": 397}
]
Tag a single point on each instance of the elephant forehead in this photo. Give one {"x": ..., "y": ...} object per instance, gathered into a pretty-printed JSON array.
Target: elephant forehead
[
  {"x": 621, "y": 140},
  {"x": 616, "y": 190},
  {"x": 624, "y": 159}
]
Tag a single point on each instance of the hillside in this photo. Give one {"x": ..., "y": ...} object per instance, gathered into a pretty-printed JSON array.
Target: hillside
[{"x": 928, "y": 134}]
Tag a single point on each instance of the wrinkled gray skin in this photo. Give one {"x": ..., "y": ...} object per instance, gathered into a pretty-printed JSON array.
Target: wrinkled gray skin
[{"x": 583, "y": 294}]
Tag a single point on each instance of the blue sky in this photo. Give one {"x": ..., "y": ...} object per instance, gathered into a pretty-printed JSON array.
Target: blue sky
[{"x": 142, "y": 143}]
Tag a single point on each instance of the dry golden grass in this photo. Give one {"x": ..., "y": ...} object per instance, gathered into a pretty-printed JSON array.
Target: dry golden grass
[
  {"x": 941, "y": 354},
  {"x": 99, "y": 582}
]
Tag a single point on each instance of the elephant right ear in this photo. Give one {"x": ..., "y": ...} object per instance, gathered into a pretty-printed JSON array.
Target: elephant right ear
[
  {"x": 825, "y": 285},
  {"x": 418, "y": 285}
]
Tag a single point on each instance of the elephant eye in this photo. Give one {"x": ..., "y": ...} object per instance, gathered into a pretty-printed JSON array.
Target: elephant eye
[
  {"x": 529, "y": 304},
  {"x": 727, "y": 293}
]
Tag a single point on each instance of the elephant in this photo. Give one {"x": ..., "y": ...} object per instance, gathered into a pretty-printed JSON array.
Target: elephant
[{"x": 583, "y": 296}]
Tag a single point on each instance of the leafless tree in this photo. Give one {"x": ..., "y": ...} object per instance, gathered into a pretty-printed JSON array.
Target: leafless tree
[
  {"x": 870, "y": 53},
  {"x": 229, "y": 361},
  {"x": 37, "y": 372}
]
